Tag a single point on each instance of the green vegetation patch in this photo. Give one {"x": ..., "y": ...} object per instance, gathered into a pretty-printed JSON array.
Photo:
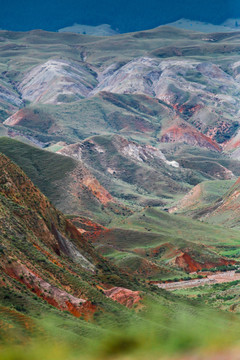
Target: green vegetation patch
[{"x": 42, "y": 167}]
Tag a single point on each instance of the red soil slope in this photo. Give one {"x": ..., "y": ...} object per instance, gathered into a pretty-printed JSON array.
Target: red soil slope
[
  {"x": 187, "y": 134},
  {"x": 124, "y": 296}
]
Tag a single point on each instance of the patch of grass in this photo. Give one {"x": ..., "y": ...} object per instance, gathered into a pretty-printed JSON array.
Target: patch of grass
[
  {"x": 160, "y": 331},
  {"x": 42, "y": 167}
]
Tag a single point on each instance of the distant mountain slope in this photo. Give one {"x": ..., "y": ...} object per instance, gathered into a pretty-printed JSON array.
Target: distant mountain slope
[
  {"x": 137, "y": 174},
  {"x": 99, "y": 30},
  {"x": 10, "y": 99},
  {"x": 229, "y": 25},
  {"x": 225, "y": 210},
  {"x": 162, "y": 104},
  {"x": 215, "y": 202},
  {"x": 57, "y": 80},
  {"x": 202, "y": 195},
  {"x": 142, "y": 174},
  {"x": 98, "y": 85},
  {"x": 61, "y": 177}
]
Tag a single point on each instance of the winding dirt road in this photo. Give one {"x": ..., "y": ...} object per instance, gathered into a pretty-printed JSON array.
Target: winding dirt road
[{"x": 218, "y": 278}]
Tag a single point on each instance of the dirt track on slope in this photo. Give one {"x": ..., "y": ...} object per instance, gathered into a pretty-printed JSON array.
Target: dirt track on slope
[{"x": 219, "y": 278}]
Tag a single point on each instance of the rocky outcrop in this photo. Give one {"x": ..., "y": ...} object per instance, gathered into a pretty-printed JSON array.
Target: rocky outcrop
[
  {"x": 116, "y": 161},
  {"x": 52, "y": 294},
  {"x": 69, "y": 249},
  {"x": 189, "y": 259},
  {"x": 141, "y": 153},
  {"x": 124, "y": 296}
]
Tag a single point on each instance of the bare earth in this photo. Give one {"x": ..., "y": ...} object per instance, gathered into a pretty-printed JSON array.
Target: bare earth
[{"x": 219, "y": 278}]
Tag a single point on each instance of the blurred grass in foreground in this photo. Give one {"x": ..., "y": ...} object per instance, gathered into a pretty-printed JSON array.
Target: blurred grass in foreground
[{"x": 156, "y": 334}]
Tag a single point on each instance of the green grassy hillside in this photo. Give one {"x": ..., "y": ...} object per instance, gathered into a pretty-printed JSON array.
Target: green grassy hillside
[
  {"x": 148, "y": 242},
  {"x": 48, "y": 291},
  {"x": 155, "y": 244},
  {"x": 60, "y": 178}
]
